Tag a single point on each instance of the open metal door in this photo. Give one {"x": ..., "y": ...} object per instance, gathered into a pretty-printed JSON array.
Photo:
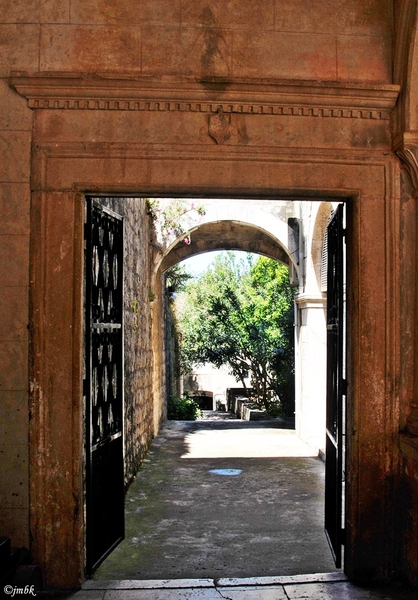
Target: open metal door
[
  {"x": 103, "y": 384},
  {"x": 336, "y": 385}
]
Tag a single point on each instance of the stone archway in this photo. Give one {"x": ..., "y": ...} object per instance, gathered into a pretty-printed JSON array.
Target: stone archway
[
  {"x": 265, "y": 228},
  {"x": 73, "y": 155},
  {"x": 226, "y": 235},
  {"x": 237, "y": 224}
]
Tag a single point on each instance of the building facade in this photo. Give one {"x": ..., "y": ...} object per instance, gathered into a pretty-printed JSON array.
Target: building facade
[{"x": 291, "y": 100}]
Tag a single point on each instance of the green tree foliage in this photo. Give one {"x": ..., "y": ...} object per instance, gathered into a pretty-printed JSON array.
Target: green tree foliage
[
  {"x": 240, "y": 314},
  {"x": 176, "y": 278}
]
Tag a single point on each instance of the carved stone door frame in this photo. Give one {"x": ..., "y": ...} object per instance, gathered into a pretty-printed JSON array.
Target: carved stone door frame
[{"x": 98, "y": 137}]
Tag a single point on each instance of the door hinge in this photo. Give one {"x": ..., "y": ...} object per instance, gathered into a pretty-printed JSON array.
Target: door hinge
[
  {"x": 344, "y": 386},
  {"x": 342, "y": 537}
]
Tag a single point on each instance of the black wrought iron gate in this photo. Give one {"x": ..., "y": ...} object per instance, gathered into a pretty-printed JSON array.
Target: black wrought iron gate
[
  {"x": 336, "y": 385},
  {"x": 104, "y": 383}
]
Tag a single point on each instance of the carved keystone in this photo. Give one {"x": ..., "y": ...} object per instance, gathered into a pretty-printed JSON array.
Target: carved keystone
[{"x": 219, "y": 127}]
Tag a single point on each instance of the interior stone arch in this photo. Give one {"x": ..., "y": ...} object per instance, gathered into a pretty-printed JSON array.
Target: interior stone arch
[
  {"x": 259, "y": 226},
  {"x": 317, "y": 241},
  {"x": 226, "y": 235}
]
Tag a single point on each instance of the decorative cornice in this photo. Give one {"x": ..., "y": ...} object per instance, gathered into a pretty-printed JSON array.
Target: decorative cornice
[
  {"x": 261, "y": 97},
  {"x": 308, "y": 301}
]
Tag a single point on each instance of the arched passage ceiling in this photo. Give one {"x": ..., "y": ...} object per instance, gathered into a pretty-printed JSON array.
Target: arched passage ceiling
[{"x": 226, "y": 235}]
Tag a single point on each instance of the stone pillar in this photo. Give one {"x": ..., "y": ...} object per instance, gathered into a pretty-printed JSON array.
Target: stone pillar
[
  {"x": 56, "y": 400},
  {"x": 407, "y": 489},
  {"x": 310, "y": 370},
  {"x": 409, "y": 157}
]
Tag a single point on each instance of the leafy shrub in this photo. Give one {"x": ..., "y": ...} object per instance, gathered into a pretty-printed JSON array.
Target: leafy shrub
[
  {"x": 182, "y": 409},
  {"x": 275, "y": 409}
]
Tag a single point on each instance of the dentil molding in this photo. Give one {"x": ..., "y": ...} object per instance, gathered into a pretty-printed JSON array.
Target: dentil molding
[{"x": 77, "y": 91}]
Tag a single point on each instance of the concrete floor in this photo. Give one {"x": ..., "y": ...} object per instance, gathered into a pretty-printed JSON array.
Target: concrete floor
[
  {"x": 320, "y": 587},
  {"x": 227, "y": 510},
  {"x": 224, "y": 499}
]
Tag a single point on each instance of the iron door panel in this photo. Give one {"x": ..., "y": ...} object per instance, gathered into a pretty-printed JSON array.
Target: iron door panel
[
  {"x": 107, "y": 517},
  {"x": 104, "y": 383},
  {"x": 335, "y": 385}
]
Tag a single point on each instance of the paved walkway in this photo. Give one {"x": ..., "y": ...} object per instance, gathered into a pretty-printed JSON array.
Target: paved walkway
[
  {"x": 313, "y": 587},
  {"x": 226, "y": 509},
  {"x": 224, "y": 499}
]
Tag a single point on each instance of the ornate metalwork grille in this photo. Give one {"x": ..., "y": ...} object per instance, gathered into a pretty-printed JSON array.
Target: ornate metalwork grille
[
  {"x": 104, "y": 382},
  {"x": 336, "y": 385}
]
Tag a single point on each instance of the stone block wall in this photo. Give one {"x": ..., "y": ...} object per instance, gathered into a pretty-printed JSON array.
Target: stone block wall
[
  {"x": 339, "y": 40},
  {"x": 15, "y": 142}
]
